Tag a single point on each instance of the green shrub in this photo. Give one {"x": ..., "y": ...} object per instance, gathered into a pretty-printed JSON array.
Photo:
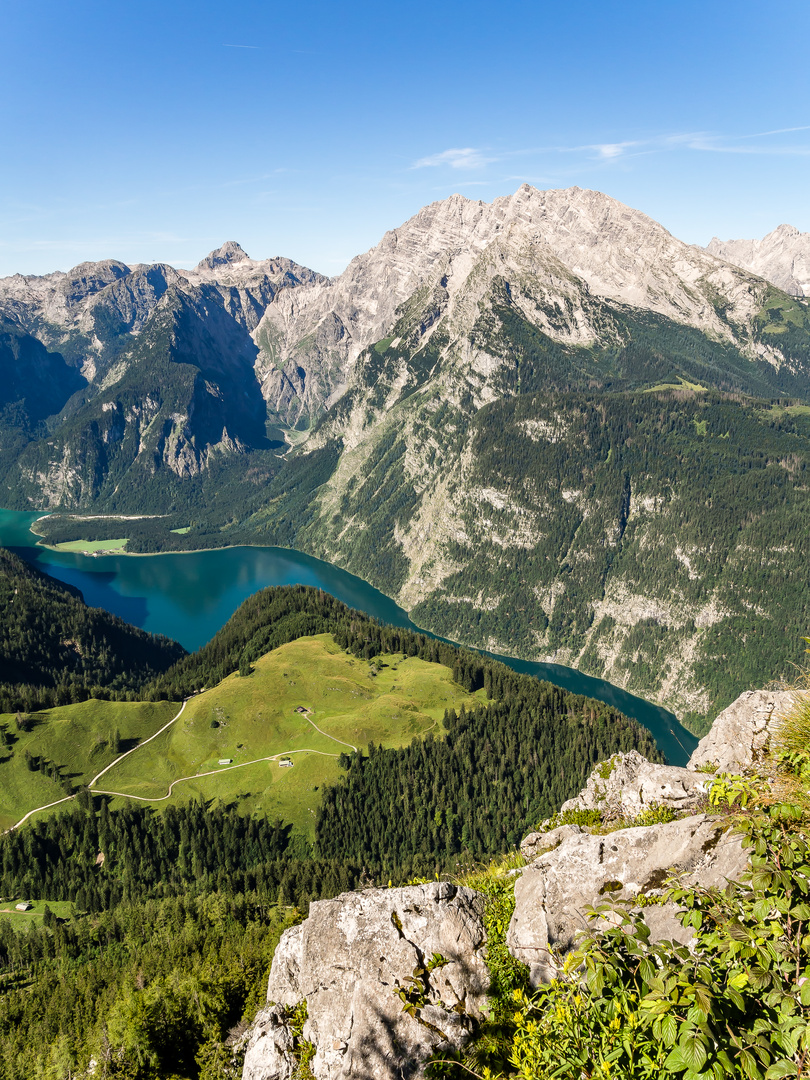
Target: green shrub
[
  {"x": 571, "y": 817},
  {"x": 655, "y": 814},
  {"x": 792, "y": 734},
  {"x": 737, "y": 1004}
]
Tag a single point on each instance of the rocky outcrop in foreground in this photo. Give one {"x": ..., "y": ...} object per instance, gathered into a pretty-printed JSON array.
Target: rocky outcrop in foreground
[
  {"x": 740, "y": 735},
  {"x": 554, "y": 891},
  {"x": 347, "y": 960},
  {"x": 628, "y": 784},
  {"x": 390, "y": 976}
]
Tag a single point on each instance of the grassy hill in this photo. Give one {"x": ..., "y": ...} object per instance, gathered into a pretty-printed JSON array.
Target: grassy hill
[
  {"x": 388, "y": 701},
  {"x": 75, "y": 743}
]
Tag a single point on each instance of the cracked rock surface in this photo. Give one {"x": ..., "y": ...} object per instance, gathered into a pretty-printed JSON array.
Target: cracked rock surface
[
  {"x": 553, "y": 893},
  {"x": 346, "y": 959},
  {"x": 739, "y": 736},
  {"x": 628, "y": 784},
  {"x": 538, "y": 843},
  {"x": 269, "y": 1052}
]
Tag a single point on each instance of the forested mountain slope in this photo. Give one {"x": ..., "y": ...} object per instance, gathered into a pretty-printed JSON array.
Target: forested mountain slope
[
  {"x": 642, "y": 536},
  {"x": 544, "y": 425},
  {"x": 295, "y": 671},
  {"x": 54, "y": 649}
]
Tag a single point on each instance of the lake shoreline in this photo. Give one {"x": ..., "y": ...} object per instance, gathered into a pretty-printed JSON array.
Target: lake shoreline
[
  {"x": 143, "y": 554},
  {"x": 190, "y": 599}
]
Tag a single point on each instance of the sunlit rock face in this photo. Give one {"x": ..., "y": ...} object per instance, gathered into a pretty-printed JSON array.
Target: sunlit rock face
[
  {"x": 741, "y": 734},
  {"x": 346, "y": 961},
  {"x": 782, "y": 257}
]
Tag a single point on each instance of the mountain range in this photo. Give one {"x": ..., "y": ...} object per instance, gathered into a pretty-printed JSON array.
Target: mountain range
[
  {"x": 544, "y": 425},
  {"x": 783, "y": 257}
]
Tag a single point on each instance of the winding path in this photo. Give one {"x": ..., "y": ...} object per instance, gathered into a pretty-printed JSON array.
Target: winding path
[
  {"x": 112, "y": 764},
  {"x": 47, "y": 806},
  {"x": 182, "y": 779},
  {"x": 332, "y": 737},
  {"x": 217, "y": 772},
  {"x": 70, "y": 798}
]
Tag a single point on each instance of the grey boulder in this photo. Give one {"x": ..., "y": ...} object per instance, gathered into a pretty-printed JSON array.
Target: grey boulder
[
  {"x": 739, "y": 737},
  {"x": 628, "y": 784},
  {"x": 553, "y": 893},
  {"x": 538, "y": 843},
  {"x": 269, "y": 1052},
  {"x": 347, "y": 958}
]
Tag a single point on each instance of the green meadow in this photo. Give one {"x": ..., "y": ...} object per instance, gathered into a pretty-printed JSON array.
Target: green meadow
[
  {"x": 76, "y": 738},
  {"x": 21, "y": 920},
  {"x": 90, "y": 547},
  {"x": 349, "y": 702},
  {"x": 353, "y": 702}
]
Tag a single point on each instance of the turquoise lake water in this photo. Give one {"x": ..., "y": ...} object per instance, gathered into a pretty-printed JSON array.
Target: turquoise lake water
[{"x": 188, "y": 596}]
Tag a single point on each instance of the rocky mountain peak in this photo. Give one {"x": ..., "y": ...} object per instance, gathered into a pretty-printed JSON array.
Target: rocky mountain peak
[
  {"x": 786, "y": 230},
  {"x": 781, "y": 257},
  {"x": 572, "y": 234},
  {"x": 229, "y": 253}
]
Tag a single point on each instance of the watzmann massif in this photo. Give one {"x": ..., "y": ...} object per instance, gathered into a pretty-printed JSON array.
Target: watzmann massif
[{"x": 544, "y": 425}]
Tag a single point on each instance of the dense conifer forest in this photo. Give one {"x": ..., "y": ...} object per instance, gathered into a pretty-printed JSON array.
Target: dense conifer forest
[
  {"x": 169, "y": 936},
  {"x": 150, "y": 990},
  {"x": 54, "y": 649},
  {"x": 191, "y": 849},
  {"x": 498, "y": 772}
]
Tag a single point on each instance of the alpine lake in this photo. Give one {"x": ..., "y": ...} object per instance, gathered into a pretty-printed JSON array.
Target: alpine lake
[{"x": 188, "y": 596}]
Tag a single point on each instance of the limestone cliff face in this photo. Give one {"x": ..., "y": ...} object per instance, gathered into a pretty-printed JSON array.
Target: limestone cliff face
[
  {"x": 347, "y": 960},
  {"x": 572, "y": 235},
  {"x": 168, "y": 370},
  {"x": 569, "y": 265},
  {"x": 782, "y": 257},
  {"x": 92, "y": 311},
  {"x": 350, "y": 956}
]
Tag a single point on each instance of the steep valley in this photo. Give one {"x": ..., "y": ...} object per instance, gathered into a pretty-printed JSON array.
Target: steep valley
[{"x": 544, "y": 425}]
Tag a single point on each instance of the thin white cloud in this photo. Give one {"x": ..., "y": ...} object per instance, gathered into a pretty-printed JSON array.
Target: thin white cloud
[
  {"x": 225, "y": 45},
  {"x": 242, "y": 180},
  {"x": 609, "y": 151},
  {"x": 457, "y": 158},
  {"x": 777, "y": 131},
  {"x": 706, "y": 141}
]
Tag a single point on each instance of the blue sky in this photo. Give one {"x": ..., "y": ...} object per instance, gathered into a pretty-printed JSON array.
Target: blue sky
[{"x": 156, "y": 130}]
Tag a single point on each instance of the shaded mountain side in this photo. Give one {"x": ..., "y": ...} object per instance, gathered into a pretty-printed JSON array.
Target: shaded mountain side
[
  {"x": 122, "y": 326},
  {"x": 36, "y": 383},
  {"x": 54, "y": 649},
  {"x": 185, "y": 395}
]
